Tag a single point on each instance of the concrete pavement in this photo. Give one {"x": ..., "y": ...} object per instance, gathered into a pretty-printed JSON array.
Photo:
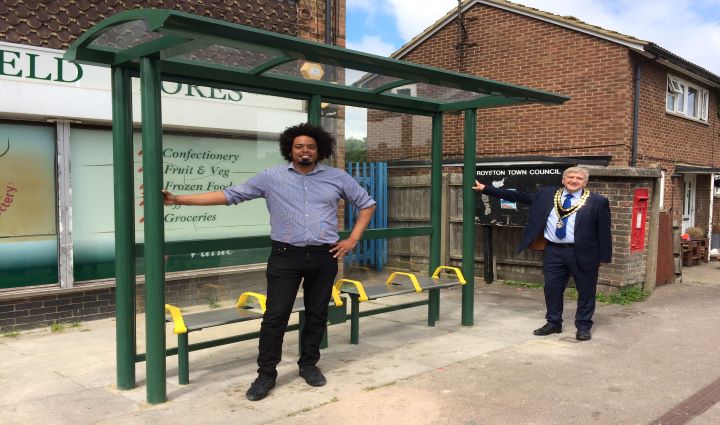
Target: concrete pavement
[{"x": 643, "y": 362}]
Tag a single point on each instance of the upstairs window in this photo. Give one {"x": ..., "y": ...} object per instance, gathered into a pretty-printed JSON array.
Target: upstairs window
[{"x": 686, "y": 99}]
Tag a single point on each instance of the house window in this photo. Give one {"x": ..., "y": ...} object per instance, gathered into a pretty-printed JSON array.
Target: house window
[
  {"x": 406, "y": 90},
  {"x": 686, "y": 99}
]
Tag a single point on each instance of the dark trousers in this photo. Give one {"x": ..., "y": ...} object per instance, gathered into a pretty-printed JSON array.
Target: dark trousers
[
  {"x": 287, "y": 266},
  {"x": 559, "y": 264}
]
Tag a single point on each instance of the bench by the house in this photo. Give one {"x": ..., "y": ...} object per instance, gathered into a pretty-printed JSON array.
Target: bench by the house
[
  {"x": 242, "y": 312},
  {"x": 360, "y": 293}
]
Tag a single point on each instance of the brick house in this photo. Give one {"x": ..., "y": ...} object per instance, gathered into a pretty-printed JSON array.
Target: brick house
[
  {"x": 42, "y": 275},
  {"x": 634, "y": 106}
]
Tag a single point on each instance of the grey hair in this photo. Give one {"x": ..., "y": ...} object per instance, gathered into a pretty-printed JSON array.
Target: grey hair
[{"x": 582, "y": 170}]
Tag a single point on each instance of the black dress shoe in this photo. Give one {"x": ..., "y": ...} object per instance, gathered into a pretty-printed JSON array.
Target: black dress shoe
[
  {"x": 583, "y": 335},
  {"x": 313, "y": 376},
  {"x": 548, "y": 329},
  {"x": 260, "y": 388}
]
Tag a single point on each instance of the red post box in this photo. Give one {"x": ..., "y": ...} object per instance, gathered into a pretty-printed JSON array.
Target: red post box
[{"x": 639, "y": 214}]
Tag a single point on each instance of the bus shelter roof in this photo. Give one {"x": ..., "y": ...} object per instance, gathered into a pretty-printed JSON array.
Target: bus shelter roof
[{"x": 207, "y": 51}]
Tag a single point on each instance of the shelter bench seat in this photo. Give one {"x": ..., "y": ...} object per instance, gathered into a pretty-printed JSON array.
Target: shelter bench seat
[
  {"x": 242, "y": 312},
  {"x": 359, "y": 293}
]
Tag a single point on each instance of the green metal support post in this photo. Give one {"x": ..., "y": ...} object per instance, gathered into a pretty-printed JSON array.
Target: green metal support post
[
  {"x": 314, "y": 107},
  {"x": 183, "y": 359},
  {"x": 468, "y": 239},
  {"x": 154, "y": 230},
  {"x": 124, "y": 228},
  {"x": 435, "y": 212},
  {"x": 354, "y": 319}
]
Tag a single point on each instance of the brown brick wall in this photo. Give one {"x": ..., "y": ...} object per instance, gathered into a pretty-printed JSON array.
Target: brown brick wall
[
  {"x": 33, "y": 311},
  {"x": 311, "y": 14},
  {"x": 521, "y": 50},
  {"x": 56, "y": 24},
  {"x": 665, "y": 138},
  {"x": 627, "y": 268},
  {"x": 396, "y": 136}
]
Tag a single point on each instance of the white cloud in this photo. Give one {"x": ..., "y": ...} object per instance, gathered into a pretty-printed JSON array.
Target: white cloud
[
  {"x": 685, "y": 27},
  {"x": 413, "y": 16},
  {"x": 369, "y": 44},
  {"x": 355, "y": 122},
  {"x": 372, "y": 44},
  {"x": 364, "y": 5}
]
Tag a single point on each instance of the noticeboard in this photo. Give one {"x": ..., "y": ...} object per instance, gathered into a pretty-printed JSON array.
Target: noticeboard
[{"x": 526, "y": 178}]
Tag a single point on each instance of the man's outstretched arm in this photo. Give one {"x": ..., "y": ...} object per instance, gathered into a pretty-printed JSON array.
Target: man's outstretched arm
[
  {"x": 207, "y": 198},
  {"x": 508, "y": 195}
]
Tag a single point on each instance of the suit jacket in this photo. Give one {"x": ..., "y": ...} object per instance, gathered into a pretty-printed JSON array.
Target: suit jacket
[{"x": 593, "y": 242}]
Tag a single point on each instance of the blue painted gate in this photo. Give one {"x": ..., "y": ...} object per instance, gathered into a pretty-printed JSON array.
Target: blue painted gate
[{"x": 372, "y": 176}]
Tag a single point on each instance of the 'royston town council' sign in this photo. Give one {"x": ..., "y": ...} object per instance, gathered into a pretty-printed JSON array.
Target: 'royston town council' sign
[{"x": 526, "y": 178}]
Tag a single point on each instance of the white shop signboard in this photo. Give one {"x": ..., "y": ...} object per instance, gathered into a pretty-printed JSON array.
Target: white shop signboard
[{"x": 37, "y": 83}]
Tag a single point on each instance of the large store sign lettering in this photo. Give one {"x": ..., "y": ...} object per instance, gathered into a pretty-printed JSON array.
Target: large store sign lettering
[
  {"x": 47, "y": 67},
  {"x": 27, "y": 65}
]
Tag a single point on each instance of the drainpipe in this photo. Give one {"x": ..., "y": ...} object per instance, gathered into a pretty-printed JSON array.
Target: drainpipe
[
  {"x": 636, "y": 114},
  {"x": 328, "y": 21}
]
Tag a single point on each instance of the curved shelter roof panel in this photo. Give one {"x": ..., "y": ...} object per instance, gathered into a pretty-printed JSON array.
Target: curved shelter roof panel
[{"x": 195, "y": 48}]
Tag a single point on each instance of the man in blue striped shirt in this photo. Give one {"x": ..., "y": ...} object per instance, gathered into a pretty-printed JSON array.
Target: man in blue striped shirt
[{"x": 302, "y": 198}]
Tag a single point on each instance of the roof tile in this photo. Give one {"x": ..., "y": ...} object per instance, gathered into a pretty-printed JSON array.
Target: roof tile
[
  {"x": 43, "y": 15},
  {"x": 43, "y": 32},
  {"x": 54, "y": 42},
  {"x": 23, "y": 29},
  {"x": 22, "y": 11},
  {"x": 34, "y": 22},
  {"x": 56, "y": 24},
  {"x": 12, "y": 36}
]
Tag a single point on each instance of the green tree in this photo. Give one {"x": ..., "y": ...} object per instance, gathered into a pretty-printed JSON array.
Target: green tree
[{"x": 355, "y": 149}]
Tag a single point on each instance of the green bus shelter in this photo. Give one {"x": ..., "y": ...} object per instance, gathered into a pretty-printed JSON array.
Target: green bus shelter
[{"x": 162, "y": 45}]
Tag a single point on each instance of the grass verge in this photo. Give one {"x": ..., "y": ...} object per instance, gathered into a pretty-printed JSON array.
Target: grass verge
[{"x": 625, "y": 296}]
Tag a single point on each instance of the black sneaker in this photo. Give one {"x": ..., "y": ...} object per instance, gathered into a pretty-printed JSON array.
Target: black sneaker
[
  {"x": 260, "y": 388},
  {"x": 313, "y": 376},
  {"x": 548, "y": 329}
]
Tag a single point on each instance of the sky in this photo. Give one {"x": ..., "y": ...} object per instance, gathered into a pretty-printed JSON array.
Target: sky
[{"x": 688, "y": 28}]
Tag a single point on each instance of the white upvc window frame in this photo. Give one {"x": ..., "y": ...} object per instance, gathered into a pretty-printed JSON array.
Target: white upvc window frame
[
  {"x": 406, "y": 90},
  {"x": 677, "y": 99}
]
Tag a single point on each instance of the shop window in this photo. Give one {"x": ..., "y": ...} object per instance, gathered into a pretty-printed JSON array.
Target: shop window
[
  {"x": 28, "y": 237},
  {"x": 191, "y": 164}
]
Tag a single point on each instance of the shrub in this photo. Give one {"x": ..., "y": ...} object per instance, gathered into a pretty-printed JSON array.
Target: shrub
[{"x": 695, "y": 232}]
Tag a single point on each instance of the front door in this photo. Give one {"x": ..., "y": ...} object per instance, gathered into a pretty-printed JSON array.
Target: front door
[{"x": 688, "y": 216}]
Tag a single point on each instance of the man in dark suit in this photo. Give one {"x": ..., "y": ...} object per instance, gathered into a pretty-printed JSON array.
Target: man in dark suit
[{"x": 573, "y": 226}]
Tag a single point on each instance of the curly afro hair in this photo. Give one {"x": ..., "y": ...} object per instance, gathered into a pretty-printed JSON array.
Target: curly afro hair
[{"x": 325, "y": 142}]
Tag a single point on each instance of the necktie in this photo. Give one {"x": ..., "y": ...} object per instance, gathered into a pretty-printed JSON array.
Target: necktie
[{"x": 561, "y": 231}]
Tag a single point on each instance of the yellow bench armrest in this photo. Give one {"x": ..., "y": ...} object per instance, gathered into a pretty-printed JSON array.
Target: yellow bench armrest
[
  {"x": 336, "y": 296},
  {"x": 262, "y": 299},
  {"x": 361, "y": 290},
  {"x": 412, "y": 277},
  {"x": 457, "y": 271},
  {"x": 177, "y": 319}
]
